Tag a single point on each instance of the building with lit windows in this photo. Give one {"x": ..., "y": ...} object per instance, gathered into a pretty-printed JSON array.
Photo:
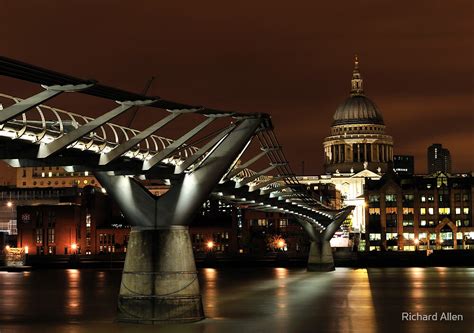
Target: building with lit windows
[
  {"x": 358, "y": 140},
  {"x": 439, "y": 159},
  {"x": 84, "y": 223},
  {"x": 419, "y": 212},
  {"x": 53, "y": 176},
  {"x": 351, "y": 189}
]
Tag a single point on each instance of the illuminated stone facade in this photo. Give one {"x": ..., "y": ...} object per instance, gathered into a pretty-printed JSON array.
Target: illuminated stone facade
[{"x": 358, "y": 140}]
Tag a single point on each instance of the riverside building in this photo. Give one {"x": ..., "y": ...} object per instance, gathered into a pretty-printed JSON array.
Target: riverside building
[{"x": 419, "y": 212}]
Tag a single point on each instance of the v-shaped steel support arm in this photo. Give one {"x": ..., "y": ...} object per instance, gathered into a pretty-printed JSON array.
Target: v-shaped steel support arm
[{"x": 178, "y": 205}]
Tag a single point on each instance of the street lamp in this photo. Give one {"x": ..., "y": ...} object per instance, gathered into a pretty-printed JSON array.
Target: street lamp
[
  {"x": 281, "y": 244},
  {"x": 74, "y": 248},
  {"x": 210, "y": 245},
  {"x": 9, "y": 204},
  {"x": 416, "y": 241}
]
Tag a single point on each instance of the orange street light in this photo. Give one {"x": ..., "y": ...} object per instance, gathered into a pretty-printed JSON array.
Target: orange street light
[
  {"x": 210, "y": 245},
  {"x": 9, "y": 204},
  {"x": 417, "y": 241},
  {"x": 74, "y": 247},
  {"x": 279, "y": 243},
  {"x": 26, "y": 249}
]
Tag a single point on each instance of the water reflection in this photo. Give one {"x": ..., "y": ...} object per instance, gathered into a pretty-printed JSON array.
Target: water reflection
[
  {"x": 417, "y": 285},
  {"x": 210, "y": 292},
  {"x": 281, "y": 293},
  {"x": 73, "y": 301},
  {"x": 248, "y": 300}
]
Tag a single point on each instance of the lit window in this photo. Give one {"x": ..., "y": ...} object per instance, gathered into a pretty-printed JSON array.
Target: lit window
[
  {"x": 465, "y": 210},
  {"x": 262, "y": 222},
  {"x": 391, "y": 198},
  {"x": 375, "y": 237},
  {"x": 43, "y": 174},
  {"x": 391, "y": 210},
  {"x": 422, "y": 235},
  {"x": 423, "y": 223},
  {"x": 423, "y": 198},
  {"x": 408, "y": 210},
  {"x": 88, "y": 220},
  {"x": 374, "y": 211},
  {"x": 458, "y": 210},
  {"x": 444, "y": 211},
  {"x": 391, "y": 236},
  {"x": 458, "y": 223},
  {"x": 422, "y": 211},
  {"x": 431, "y": 198},
  {"x": 86, "y": 173},
  {"x": 50, "y": 235},
  {"x": 39, "y": 236},
  {"x": 431, "y": 210},
  {"x": 374, "y": 198},
  {"x": 409, "y": 235},
  {"x": 50, "y": 174},
  {"x": 407, "y": 222}
]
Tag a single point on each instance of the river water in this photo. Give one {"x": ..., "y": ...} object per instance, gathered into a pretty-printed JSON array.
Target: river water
[{"x": 276, "y": 300}]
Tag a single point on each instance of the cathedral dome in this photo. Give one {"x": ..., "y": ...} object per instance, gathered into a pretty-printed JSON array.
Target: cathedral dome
[
  {"x": 357, "y": 108},
  {"x": 358, "y": 140}
]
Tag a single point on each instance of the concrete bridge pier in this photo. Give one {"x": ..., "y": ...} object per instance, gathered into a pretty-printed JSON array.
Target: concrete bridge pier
[
  {"x": 320, "y": 257},
  {"x": 159, "y": 281}
]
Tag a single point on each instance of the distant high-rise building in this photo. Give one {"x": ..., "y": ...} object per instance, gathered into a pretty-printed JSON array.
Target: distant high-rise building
[
  {"x": 404, "y": 164},
  {"x": 439, "y": 159}
]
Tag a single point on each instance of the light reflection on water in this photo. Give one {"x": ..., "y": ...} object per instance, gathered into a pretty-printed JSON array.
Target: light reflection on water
[
  {"x": 277, "y": 300},
  {"x": 210, "y": 292},
  {"x": 73, "y": 301}
]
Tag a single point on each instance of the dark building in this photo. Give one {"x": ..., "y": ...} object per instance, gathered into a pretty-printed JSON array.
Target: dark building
[
  {"x": 221, "y": 228},
  {"x": 85, "y": 223},
  {"x": 404, "y": 164},
  {"x": 90, "y": 223},
  {"x": 439, "y": 159},
  {"x": 419, "y": 212}
]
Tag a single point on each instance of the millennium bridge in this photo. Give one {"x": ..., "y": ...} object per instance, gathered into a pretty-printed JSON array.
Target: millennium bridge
[{"x": 159, "y": 280}]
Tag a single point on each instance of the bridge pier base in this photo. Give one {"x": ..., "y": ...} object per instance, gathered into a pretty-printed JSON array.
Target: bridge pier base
[
  {"x": 320, "y": 257},
  {"x": 159, "y": 281}
]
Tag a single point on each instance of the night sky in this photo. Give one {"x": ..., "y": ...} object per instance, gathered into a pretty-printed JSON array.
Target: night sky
[{"x": 292, "y": 60}]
